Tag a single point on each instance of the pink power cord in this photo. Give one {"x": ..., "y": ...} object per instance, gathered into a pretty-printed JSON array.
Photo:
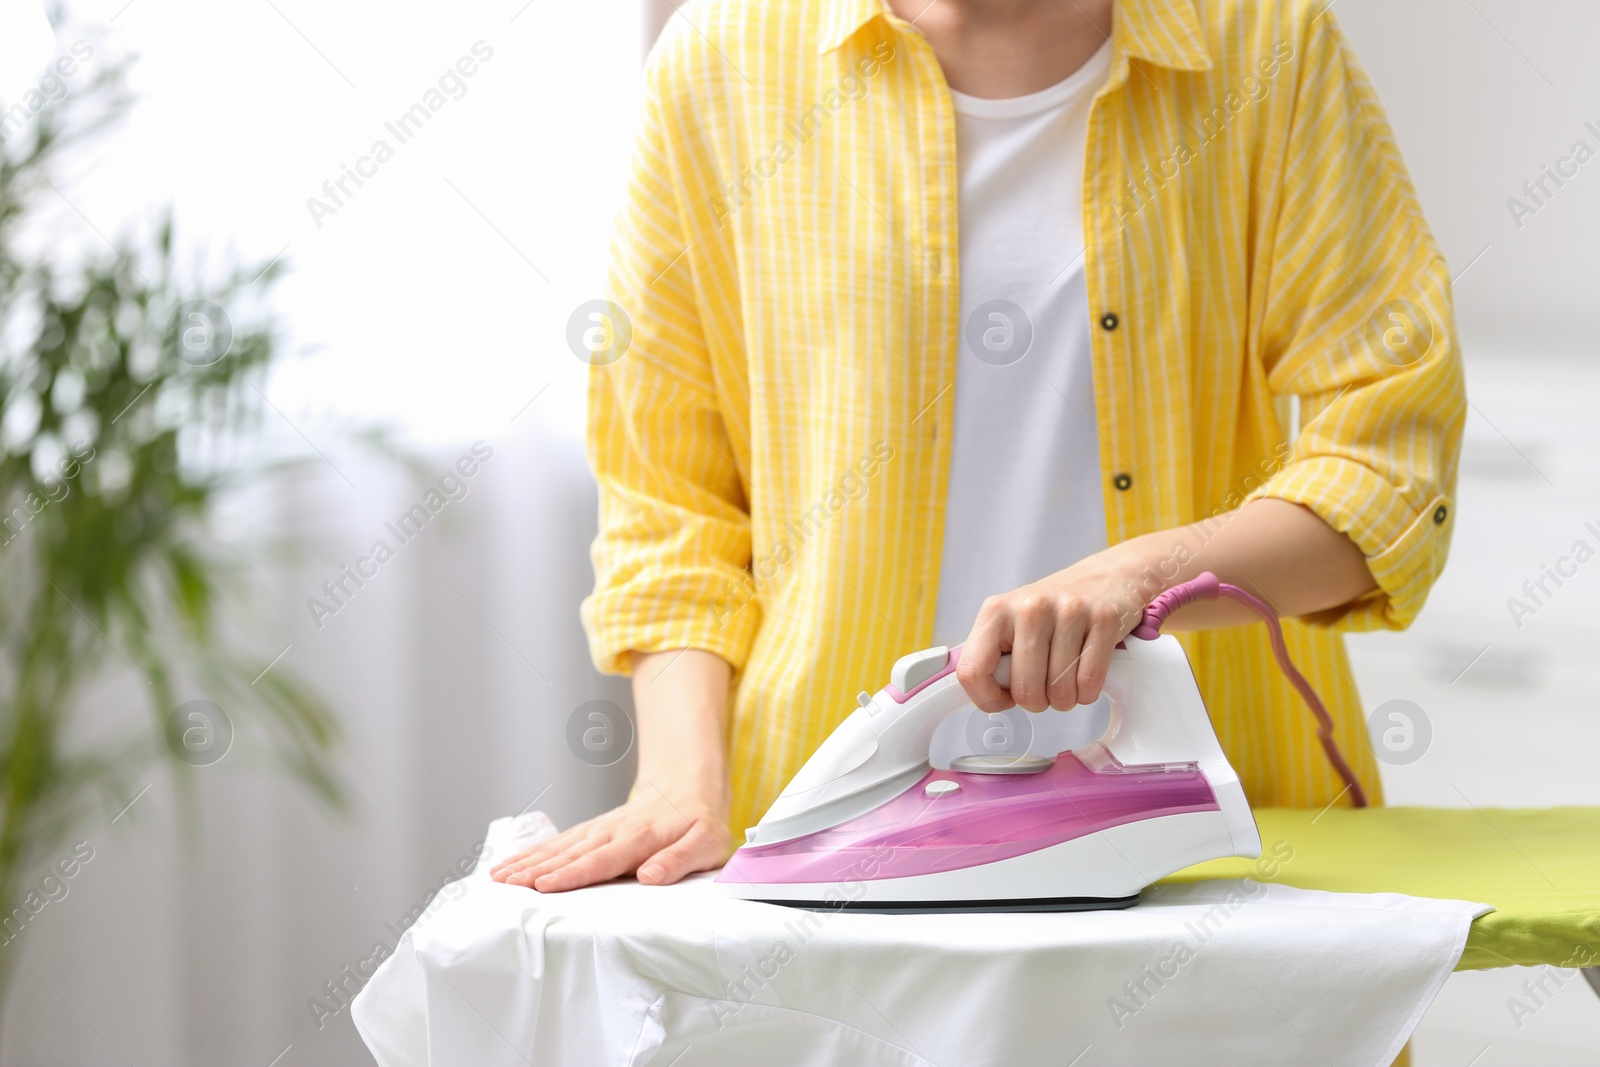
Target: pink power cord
[{"x": 1206, "y": 587}]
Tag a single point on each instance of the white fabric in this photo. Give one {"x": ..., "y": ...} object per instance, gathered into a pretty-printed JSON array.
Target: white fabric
[
  {"x": 1025, "y": 496},
  {"x": 624, "y": 974}
]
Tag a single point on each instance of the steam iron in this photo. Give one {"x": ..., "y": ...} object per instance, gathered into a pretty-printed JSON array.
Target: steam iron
[{"x": 869, "y": 823}]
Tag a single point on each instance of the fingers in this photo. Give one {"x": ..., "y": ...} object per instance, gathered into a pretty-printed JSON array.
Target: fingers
[
  {"x": 529, "y": 873},
  {"x": 980, "y": 655},
  {"x": 1044, "y": 635},
  {"x": 656, "y": 836},
  {"x": 542, "y": 851},
  {"x": 530, "y": 857},
  {"x": 1066, "y": 654},
  {"x": 1060, "y": 631},
  {"x": 1032, "y": 628},
  {"x": 1060, "y": 645},
  {"x": 696, "y": 850},
  {"x": 511, "y": 864},
  {"x": 598, "y": 864},
  {"x": 1105, "y": 630}
]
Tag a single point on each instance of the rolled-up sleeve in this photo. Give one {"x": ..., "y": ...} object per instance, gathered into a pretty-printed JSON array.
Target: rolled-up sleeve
[
  {"x": 1355, "y": 320},
  {"x": 672, "y": 555}
]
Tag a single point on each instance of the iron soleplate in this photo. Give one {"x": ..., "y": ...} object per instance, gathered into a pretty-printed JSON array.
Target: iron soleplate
[{"x": 937, "y": 907}]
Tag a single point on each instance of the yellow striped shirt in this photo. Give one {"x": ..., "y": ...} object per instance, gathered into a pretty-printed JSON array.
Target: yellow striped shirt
[{"x": 772, "y": 446}]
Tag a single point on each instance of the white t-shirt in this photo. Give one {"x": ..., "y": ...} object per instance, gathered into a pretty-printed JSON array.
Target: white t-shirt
[{"x": 1025, "y": 489}]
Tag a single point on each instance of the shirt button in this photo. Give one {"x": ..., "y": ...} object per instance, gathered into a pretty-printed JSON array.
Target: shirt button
[
  {"x": 1108, "y": 321},
  {"x": 1439, "y": 515},
  {"x": 1122, "y": 481}
]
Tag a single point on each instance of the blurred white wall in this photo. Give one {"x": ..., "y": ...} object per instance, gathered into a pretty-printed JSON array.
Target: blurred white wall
[
  {"x": 435, "y": 301},
  {"x": 1483, "y": 94}
]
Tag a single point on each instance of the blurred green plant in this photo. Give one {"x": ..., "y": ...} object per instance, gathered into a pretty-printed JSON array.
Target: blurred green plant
[{"x": 122, "y": 391}]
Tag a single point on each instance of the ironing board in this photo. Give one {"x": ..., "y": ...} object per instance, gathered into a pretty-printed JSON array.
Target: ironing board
[{"x": 1539, "y": 867}]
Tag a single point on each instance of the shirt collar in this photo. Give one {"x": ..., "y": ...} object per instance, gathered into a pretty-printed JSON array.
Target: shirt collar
[
  {"x": 1164, "y": 32},
  {"x": 842, "y": 18}
]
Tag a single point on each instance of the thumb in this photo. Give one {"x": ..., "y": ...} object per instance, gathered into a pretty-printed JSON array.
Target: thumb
[{"x": 696, "y": 850}]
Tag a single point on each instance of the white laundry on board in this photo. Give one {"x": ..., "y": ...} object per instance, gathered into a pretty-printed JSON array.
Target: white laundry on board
[{"x": 1208, "y": 973}]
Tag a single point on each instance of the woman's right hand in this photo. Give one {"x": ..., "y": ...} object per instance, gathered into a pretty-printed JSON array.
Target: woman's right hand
[
  {"x": 676, "y": 819},
  {"x": 660, "y": 836}
]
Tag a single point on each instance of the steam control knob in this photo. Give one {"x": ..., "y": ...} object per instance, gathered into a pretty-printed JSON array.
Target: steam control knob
[{"x": 911, "y": 671}]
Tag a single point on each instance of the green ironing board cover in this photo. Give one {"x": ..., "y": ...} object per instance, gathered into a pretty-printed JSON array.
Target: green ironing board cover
[{"x": 1538, "y": 867}]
